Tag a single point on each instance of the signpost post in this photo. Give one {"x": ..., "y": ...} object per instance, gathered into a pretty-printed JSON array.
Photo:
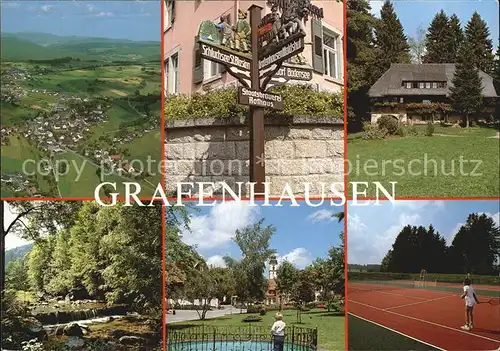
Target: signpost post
[{"x": 271, "y": 41}]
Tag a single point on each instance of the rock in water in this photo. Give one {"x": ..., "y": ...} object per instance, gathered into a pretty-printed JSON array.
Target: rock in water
[
  {"x": 75, "y": 343},
  {"x": 132, "y": 340},
  {"x": 73, "y": 329}
]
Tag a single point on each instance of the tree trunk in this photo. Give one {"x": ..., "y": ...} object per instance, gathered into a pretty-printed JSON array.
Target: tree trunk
[{"x": 467, "y": 121}]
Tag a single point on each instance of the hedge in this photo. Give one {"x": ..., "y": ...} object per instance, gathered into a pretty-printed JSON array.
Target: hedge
[
  {"x": 440, "y": 277},
  {"x": 299, "y": 100}
]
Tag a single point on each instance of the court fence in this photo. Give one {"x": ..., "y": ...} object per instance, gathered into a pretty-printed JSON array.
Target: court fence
[
  {"x": 429, "y": 277},
  {"x": 237, "y": 338}
]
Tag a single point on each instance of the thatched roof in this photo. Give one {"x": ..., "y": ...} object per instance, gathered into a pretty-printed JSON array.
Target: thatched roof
[{"x": 390, "y": 84}]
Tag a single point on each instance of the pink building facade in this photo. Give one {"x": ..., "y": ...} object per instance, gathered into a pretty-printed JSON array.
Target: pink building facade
[{"x": 323, "y": 44}]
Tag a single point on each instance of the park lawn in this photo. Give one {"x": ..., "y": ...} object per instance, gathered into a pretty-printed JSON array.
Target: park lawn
[
  {"x": 331, "y": 332},
  {"x": 388, "y": 160},
  {"x": 364, "y": 335},
  {"x": 16, "y": 153}
]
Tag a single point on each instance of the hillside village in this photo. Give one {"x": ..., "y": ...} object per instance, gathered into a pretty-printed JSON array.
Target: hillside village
[{"x": 62, "y": 126}]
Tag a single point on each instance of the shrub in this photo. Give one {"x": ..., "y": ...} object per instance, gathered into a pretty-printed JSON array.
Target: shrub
[
  {"x": 251, "y": 319},
  {"x": 255, "y": 308},
  {"x": 430, "y": 129},
  {"x": 372, "y": 132},
  {"x": 262, "y": 311},
  {"x": 300, "y": 100},
  {"x": 389, "y": 123}
]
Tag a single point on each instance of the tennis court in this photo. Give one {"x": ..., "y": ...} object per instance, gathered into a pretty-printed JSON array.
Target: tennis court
[{"x": 409, "y": 315}]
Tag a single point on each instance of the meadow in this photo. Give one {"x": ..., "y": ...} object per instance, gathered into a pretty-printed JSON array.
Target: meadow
[{"x": 452, "y": 162}]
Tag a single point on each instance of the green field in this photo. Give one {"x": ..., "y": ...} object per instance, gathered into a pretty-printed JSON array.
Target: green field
[
  {"x": 461, "y": 162},
  {"x": 115, "y": 73},
  {"x": 331, "y": 334},
  {"x": 13, "y": 157}
]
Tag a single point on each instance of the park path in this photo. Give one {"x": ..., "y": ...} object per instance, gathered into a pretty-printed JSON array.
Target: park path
[{"x": 188, "y": 315}]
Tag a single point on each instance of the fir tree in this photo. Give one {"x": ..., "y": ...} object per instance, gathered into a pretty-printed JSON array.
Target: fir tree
[
  {"x": 457, "y": 36},
  {"x": 466, "y": 92},
  {"x": 477, "y": 34},
  {"x": 439, "y": 40},
  {"x": 391, "y": 42},
  {"x": 496, "y": 82},
  {"x": 361, "y": 61}
]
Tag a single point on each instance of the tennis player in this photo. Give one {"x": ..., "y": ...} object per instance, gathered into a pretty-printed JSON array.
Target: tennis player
[{"x": 470, "y": 301}]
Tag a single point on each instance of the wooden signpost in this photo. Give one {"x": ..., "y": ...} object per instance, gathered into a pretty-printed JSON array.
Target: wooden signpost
[{"x": 254, "y": 54}]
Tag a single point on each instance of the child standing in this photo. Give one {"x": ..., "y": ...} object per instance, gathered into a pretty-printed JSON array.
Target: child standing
[
  {"x": 470, "y": 302},
  {"x": 278, "y": 331}
]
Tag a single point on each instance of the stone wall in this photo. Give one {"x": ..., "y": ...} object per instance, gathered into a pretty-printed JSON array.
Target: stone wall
[{"x": 297, "y": 150}]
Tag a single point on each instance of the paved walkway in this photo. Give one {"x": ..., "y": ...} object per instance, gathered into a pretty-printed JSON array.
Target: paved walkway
[{"x": 184, "y": 315}]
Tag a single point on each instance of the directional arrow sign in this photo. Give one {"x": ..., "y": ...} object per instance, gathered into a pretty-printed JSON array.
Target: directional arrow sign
[
  {"x": 294, "y": 73},
  {"x": 267, "y": 71},
  {"x": 237, "y": 65},
  {"x": 284, "y": 52},
  {"x": 238, "y": 71}
]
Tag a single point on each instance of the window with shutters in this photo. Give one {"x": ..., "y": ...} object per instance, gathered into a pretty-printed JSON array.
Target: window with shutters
[{"x": 172, "y": 74}]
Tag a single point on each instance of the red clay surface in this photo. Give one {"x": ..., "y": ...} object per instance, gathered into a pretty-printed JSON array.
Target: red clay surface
[{"x": 433, "y": 317}]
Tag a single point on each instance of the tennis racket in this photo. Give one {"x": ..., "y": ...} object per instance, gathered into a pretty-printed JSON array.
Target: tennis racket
[{"x": 493, "y": 301}]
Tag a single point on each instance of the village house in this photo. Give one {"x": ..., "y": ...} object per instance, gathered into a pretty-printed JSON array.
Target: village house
[{"x": 417, "y": 93}]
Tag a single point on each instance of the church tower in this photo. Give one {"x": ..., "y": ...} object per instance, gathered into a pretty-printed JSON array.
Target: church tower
[{"x": 273, "y": 266}]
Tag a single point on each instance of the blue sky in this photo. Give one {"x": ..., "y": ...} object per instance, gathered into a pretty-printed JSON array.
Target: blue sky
[
  {"x": 302, "y": 233},
  {"x": 132, "y": 19},
  {"x": 415, "y": 13},
  {"x": 372, "y": 229}
]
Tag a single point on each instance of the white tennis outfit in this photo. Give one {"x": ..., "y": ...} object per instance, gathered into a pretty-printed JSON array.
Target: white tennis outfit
[{"x": 470, "y": 301}]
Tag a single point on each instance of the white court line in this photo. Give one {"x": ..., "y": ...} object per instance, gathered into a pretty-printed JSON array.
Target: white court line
[
  {"x": 416, "y": 303},
  {"x": 389, "y": 293},
  {"x": 424, "y": 321},
  {"x": 397, "y": 332}
]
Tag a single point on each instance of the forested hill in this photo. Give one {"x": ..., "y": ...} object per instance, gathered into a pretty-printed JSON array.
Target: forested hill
[
  {"x": 17, "y": 252},
  {"x": 40, "y": 46}
]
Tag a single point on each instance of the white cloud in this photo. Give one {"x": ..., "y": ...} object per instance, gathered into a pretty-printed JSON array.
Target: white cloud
[
  {"x": 46, "y": 8},
  {"x": 368, "y": 246},
  {"x": 218, "y": 228},
  {"x": 104, "y": 14},
  {"x": 216, "y": 261},
  {"x": 299, "y": 257},
  {"x": 376, "y": 6},
  {"x": 322, "y": 215}
]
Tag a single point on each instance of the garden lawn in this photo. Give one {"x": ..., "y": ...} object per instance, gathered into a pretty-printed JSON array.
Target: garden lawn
[
  {"x": 429, "y": 166},
  {"x": 331, "y": 334}
]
